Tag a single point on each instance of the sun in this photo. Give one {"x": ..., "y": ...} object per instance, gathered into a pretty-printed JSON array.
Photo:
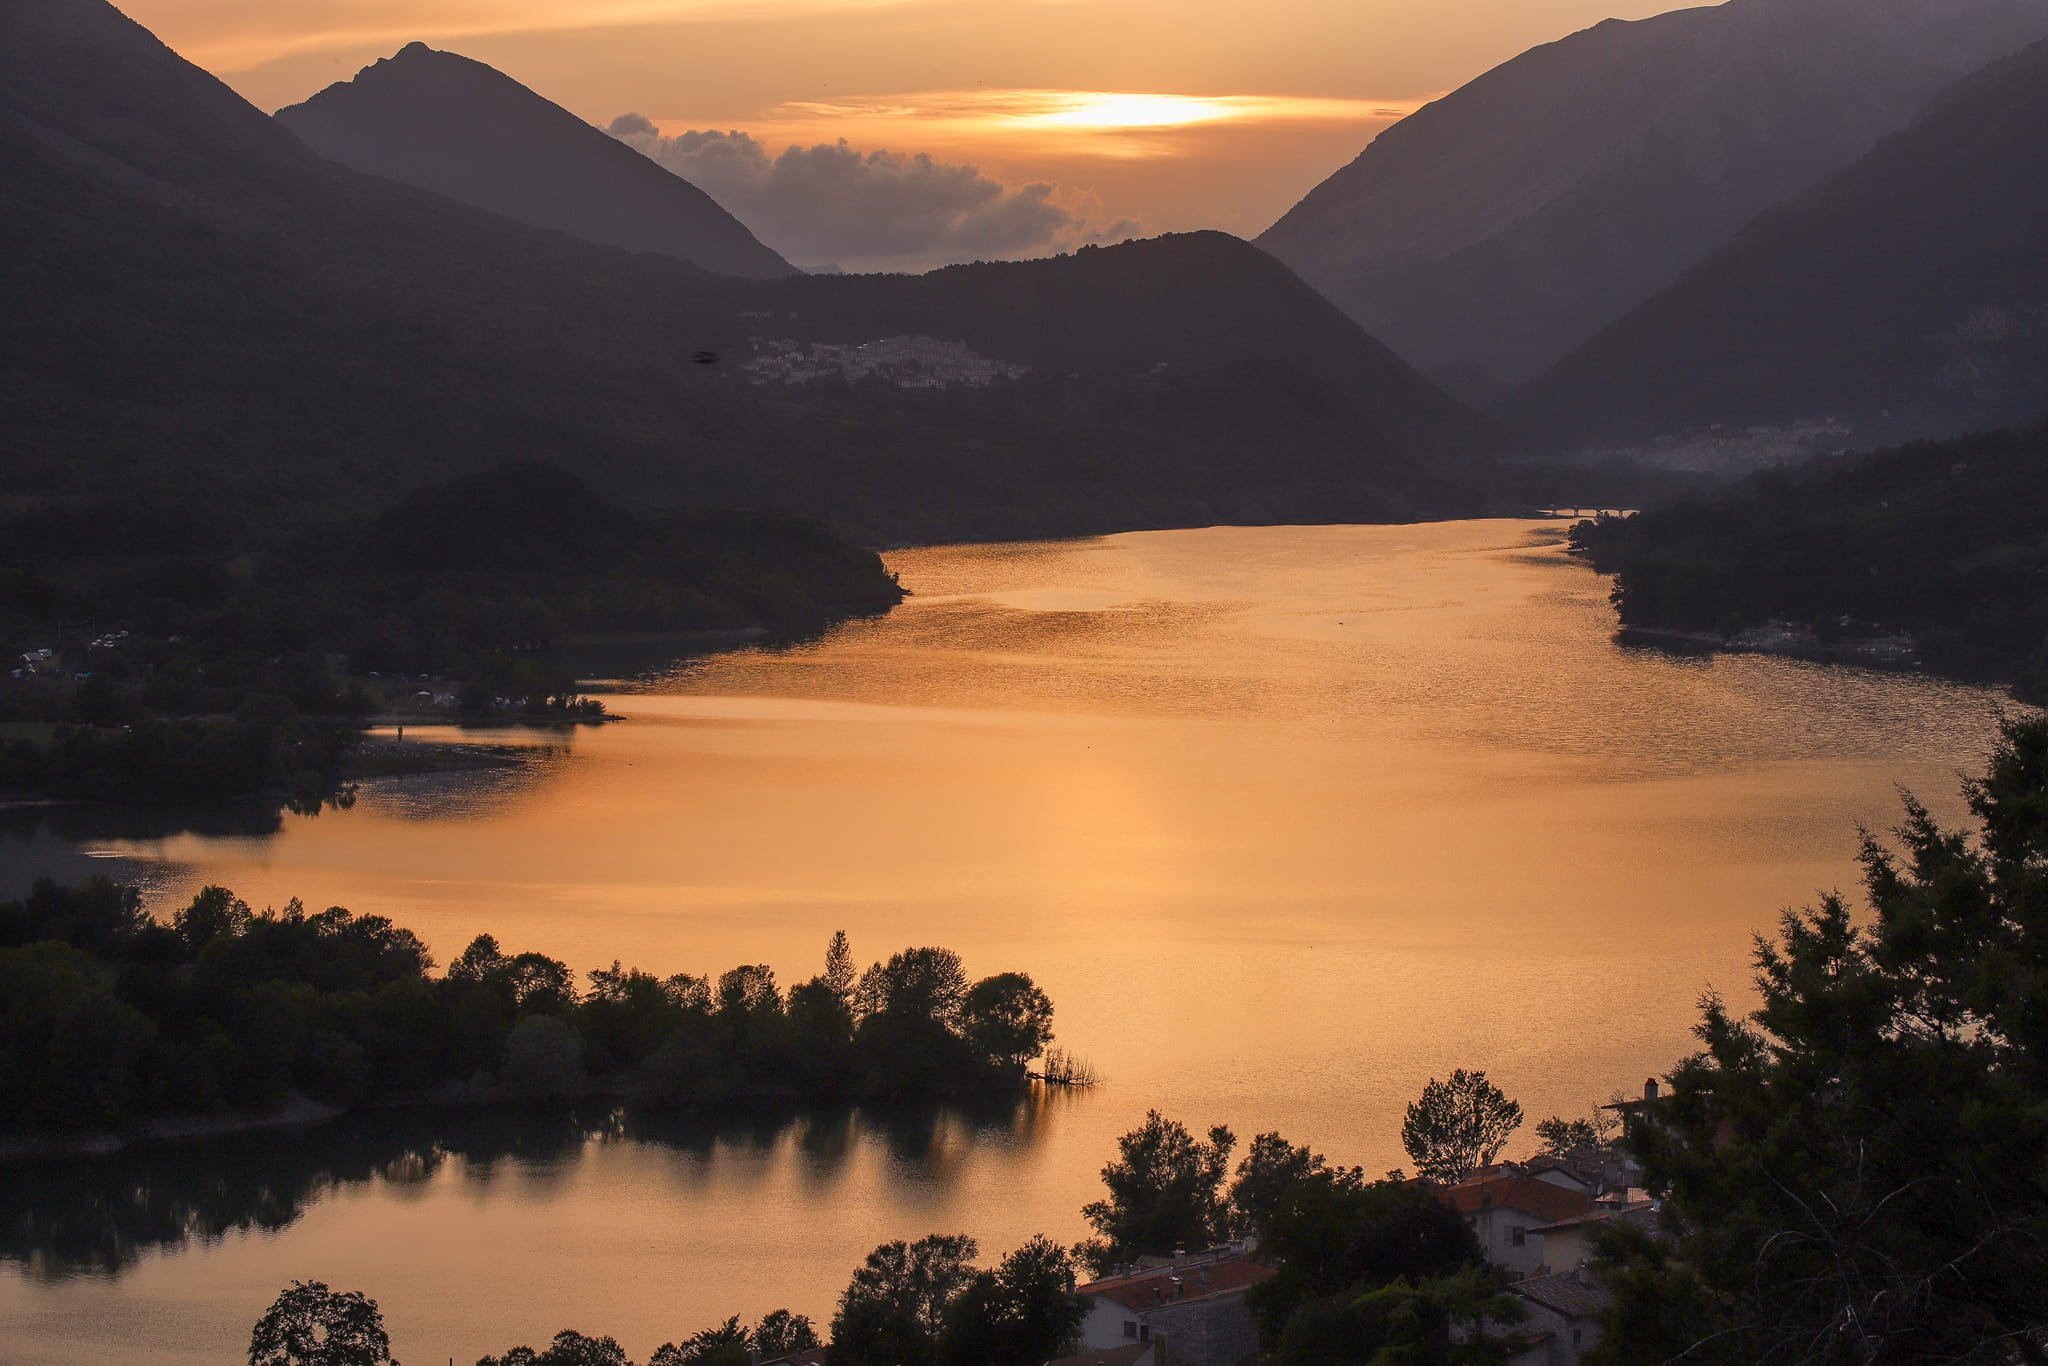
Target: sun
[{"x": 1105, "y": 109}]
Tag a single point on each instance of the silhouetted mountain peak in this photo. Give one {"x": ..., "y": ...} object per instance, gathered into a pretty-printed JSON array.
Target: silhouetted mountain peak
[
  {"x": 418, "y": 62},
  {"x": 91, "y": 82},
  {"x": 1905, "y": 294},
  {"x": 1507, "y": 222},
  {"x": 459, "y": 127}
]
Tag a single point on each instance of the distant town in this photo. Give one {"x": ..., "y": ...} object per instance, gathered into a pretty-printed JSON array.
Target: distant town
[{"x": 908, "y": 362}]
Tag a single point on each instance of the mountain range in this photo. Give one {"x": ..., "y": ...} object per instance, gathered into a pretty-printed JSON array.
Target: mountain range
[
  {"x": 1905, "y": 296},
  {"x": 195, "y": 300},
  {"x": 459, "y": 128},
  {"x": 1498, "y": 228}
]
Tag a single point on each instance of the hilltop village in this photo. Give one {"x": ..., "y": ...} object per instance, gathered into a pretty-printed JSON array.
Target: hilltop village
[{"x": 906, "y": 362}]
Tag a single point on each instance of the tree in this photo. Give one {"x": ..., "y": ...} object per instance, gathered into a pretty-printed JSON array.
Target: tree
[
  {"x": 726, "y": 1345},
  {"x": 1559, "y": 1137},
  {"x": 1458, "y": 1125},
  {"x": 543, "y": 1060},
  {"x": 1853, "y": 1171},
  {"x": 1023, "y": 1313},
  {"x": 1007, "y": 1020},
  {"x": 839, "y": 975},
  {"x": 908, "y": 1036},
  {"x": 749, "y": 990},
  {"x": 214, "y": 913},
  {"x": 72, "y": 1053},
  {"x": 1165, "y": 1192},
  {"x": 311, "y": 1325},
  {"x": 925, "y": 984},
  {"x": 97, "y": 915},
  {"x": 1269, "y": 1174},
  {"x": 570, "y": 1348},
  {"x": 1443, "y": 1321},
  {"x": 780, "y": 1333},
  {"x": 540, "y": 983},
  {"x": 479, "y": 962},
  {"x": 894, "y": 1310},
  {"x": 1333, "y": 1233}
]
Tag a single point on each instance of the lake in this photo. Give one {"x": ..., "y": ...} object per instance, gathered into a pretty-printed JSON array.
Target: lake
[{"x": 1285, "y": 820}]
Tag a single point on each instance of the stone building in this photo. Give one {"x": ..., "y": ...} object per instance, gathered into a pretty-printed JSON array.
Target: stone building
[{"x": 1190, "y": 1310}]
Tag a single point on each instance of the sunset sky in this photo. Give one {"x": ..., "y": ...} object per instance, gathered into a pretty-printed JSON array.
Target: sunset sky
[{"x": 1110, "y": 116}]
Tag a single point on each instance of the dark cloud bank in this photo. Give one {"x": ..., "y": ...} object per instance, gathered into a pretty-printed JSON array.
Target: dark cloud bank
[{"x": 832, "y": 203}]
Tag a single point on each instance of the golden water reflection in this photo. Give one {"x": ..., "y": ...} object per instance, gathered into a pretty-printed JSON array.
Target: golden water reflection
[{"x": 1285, "y": 820}]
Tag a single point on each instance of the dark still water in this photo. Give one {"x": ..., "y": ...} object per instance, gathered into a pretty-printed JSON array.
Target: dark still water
[{"x": 1285, "y": 820}]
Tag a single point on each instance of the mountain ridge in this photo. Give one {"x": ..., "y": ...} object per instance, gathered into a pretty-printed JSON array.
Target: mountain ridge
[
  {"x": 1490, "y": 232},
  {"x": 1906, "y": 294},
  {"x": 447, "y": 123}
]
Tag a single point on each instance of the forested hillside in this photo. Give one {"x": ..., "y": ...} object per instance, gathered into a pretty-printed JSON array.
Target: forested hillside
[{"x": 1945, "y": 541}]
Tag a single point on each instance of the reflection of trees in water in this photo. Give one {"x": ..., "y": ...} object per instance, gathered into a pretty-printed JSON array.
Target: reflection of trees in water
[
  {"x": 91, "y": 824},
  {"x": 51, "y": 841},
  {"x": 99, "y": 1216}
]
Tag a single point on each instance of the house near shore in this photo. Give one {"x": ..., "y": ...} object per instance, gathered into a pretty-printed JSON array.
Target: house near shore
[
  {"x": 1503, "y": 1208},
  {"x": 1188, "y": 1311},
  {"x": 1561, "y": 1317},
  {"x": 1568, "y": 1244}
]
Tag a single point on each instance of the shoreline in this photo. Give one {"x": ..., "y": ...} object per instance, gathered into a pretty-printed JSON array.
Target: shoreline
[
  {"x": 302, "y": 1112},
  {"x": 299, "y": 1112},
  {"x": 1891, "y": 654}
]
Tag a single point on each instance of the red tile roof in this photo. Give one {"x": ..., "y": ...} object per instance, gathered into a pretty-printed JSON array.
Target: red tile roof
[
  {"x": 1155, "y": 1289},
  {"x": 1643, "y": 1213},
  {"x": 1527, "y": 1194}
]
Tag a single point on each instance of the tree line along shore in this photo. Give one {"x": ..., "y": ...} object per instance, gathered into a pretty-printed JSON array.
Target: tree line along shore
[
  {"x": 164, "y": 652},
  {"x": 117, "y": 1024}
]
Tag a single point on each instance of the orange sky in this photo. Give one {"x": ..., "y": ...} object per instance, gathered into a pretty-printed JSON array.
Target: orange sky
[{"x": 1173, "y": 113}]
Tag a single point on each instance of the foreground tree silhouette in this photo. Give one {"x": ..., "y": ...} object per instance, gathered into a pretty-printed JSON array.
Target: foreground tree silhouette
[
  {"x": 1165, "y": 1192},
  {"x": 1334, "y": 1237},
  {"x": 1271, "y": 1175},
  {"x": 726, "y": 1345},
  {"x": 927, "y": 1304},
  {"x": 1442, "y": 1321},
  {"x": 1023, "y": 1313},
  {"x": 311, "y": 1325},
  {"x": 778, "y": 1334},
  {"x": 569, "y": 1348},
  {"x": 1857, "y": 1171},
  {"x": 894, "y": 1309},
  {"x": 1458, "y": 1125}
]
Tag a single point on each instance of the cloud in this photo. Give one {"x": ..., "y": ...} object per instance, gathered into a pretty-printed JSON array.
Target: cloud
[{"x": 881, "y": 210}]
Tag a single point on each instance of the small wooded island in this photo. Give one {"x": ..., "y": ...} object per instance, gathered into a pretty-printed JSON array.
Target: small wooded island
[
  {"x": 218, "y": 651},
  {"x": 115, "y": 1022}
]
